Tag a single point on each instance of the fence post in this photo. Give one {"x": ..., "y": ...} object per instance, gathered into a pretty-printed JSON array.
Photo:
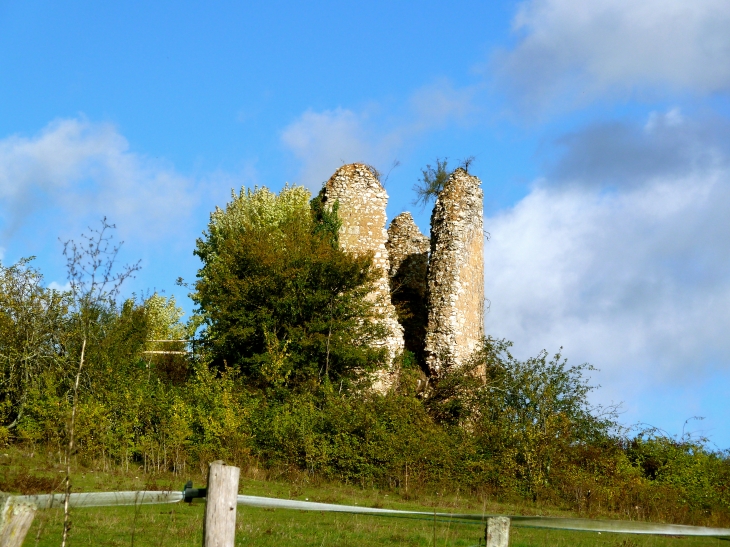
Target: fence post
[
  {"x": 497, "y": 532},
  {"x": 219, "y": 527},
  {"x": 15, "y": 521}
]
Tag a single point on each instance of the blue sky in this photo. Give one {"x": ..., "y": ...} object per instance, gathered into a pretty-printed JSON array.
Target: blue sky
[{"x": 600, "y": 130}]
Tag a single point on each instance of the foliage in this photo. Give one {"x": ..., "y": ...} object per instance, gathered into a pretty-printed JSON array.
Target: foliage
[
  {"x": 281, "y": 385},
  {"x": 164, "y": 316},
  {"x": 685, "y": 464},
  {"x": 527, "y": 415},
  {"x": 326, "y": 221},
  {"x": 251, "y": 210},
  {"x": 33, "y": 320},
  {"x": 432, "y": 181},
  {"x": 280, "y": 300}
]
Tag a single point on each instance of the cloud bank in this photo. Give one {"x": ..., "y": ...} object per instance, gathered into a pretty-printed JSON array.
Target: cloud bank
[
  {"x": 621, "y": 254},
  {"x": 323, "y": 141},
  {"x": 74, "y": 172},
  {"x": 572, "y": 51}
]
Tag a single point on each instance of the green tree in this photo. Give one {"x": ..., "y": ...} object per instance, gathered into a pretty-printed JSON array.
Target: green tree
[
  {"x": 33, "y": 320},
  {"x": 168, "y": 338},
  {"x": 527, "y": 416},
  {"x": 279, "y": 299}
]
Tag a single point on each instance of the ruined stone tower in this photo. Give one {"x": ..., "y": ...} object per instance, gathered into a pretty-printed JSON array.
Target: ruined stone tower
[
  {"x": 455, "y": 274},
  {"x": 439, "y": 299},
  {"x": 408, "y": 253},
  {"x": 362, "y": 200}
]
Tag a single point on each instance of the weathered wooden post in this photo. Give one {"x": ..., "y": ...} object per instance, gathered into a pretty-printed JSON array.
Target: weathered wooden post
[
  {"x": 497, "y": 532},
  {"x": 219, "y": 527},
  {"x": 15, "y": 521}
]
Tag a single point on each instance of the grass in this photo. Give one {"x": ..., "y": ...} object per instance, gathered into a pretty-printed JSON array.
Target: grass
[{"x": 181, "y": 524}]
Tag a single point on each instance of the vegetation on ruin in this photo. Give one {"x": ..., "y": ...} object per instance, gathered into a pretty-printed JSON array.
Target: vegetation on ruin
[
  {"x": 278, "y": 383},
  {"x": 433, "y": 179},
  {"x": 431, "y": 183}
]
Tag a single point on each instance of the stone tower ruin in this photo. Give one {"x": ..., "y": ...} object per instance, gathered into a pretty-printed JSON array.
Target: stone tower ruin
[
  {"x": 455, "y": 274},
  {"x": 430, "y": 292},
  {"x": 408, "y": 252},
  {"x": 362, "y": 201}
]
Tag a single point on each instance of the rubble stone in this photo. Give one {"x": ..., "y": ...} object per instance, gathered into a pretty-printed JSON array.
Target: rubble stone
[
  {"x": 362, "y": 201},
  {"x": 455, "y": 274},
  {"x": 408, "y": 254}
]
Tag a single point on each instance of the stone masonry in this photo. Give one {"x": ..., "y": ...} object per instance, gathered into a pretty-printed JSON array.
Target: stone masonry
[
  {"x": 455, "y": 274},
  {"x": 408, "y": 253},
  {"x": 362, "y": 200}
]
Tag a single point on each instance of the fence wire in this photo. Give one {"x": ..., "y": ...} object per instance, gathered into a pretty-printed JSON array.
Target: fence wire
[
  {"x": 588, "y": 525},
  {"x": 148, "y": 497}
]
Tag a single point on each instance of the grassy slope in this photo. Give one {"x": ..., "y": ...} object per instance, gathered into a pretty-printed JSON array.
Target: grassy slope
[{"x": 181, "y": 524}]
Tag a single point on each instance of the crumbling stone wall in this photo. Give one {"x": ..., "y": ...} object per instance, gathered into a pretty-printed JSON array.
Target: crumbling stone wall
[
  {"x": 455, "y": 274},
  {"x": 408, "y": 254},
  {"x": 439, "y": 300},
  {"x": 362, "y": 201}
]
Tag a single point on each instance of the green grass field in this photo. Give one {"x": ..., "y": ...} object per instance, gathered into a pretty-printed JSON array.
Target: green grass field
[{"x": 181, "y": 524}]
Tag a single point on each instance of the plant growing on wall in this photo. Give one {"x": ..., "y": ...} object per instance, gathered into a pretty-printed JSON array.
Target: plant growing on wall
[{"x": 433, "y": 179}]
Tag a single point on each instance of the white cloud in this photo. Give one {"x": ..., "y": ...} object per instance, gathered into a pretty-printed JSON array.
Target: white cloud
[
  {"x": 75, "y": 171},
  {"x": 440, "y": 103},
  {"x": 55, "y": 286},
  {"x": 574, "y": 51},
  {"x": 670, "y": 119},
  {"x": 633, "y": 278},
  {"x": 323, "y": 141}
]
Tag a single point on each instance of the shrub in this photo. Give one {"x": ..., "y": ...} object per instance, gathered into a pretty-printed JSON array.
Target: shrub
[{"x": 279, "y": 299}]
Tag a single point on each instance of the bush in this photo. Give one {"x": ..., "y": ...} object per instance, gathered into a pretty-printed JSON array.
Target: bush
[
  {"x": 280, "y": 301},
  {"x": 33, "y": 322}
]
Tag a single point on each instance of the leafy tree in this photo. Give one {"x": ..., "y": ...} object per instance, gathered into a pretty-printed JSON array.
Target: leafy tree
[
  {"x": 167, "y": 336},
  {"x": 527, "y": 415},
  {"x": 251, "y": 210},
  {"x": 326, "y": 221},
  {"x": 33, "y": 320},
  {"x": 164, "y": 317},
  {"x": 279, "y": 299}
]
